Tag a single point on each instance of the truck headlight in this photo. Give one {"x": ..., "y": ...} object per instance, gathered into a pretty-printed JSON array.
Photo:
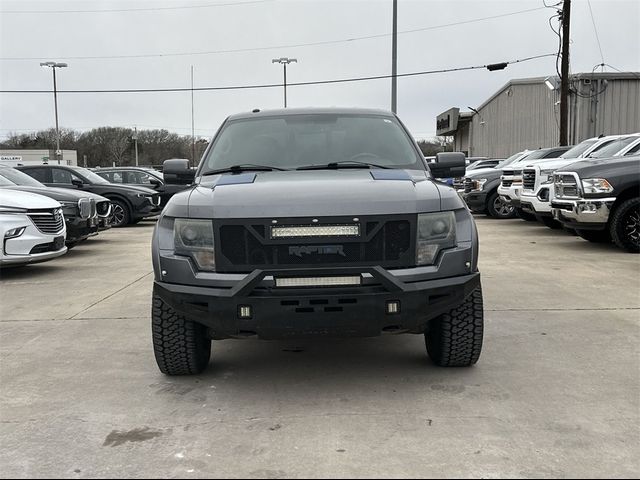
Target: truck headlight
[
  {"x": 479, "y": 183},
  {"x": 436, "y": 231},
  {"x": 194, "y": 238},
  {"x": 546, "y": 176},
  {"x": 596, "y": 185}
]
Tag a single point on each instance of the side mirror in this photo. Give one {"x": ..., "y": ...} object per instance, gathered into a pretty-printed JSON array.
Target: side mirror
[
  {"x": 155, "y": 182},
  {"x": 77, "y": 182},
  {"x": 448, "y": 164},
  {"x": 177, "y": 171}
]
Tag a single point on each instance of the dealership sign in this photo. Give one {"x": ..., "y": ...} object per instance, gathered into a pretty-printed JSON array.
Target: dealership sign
[
  {"x": 10, "y": 158},
  {"x": 447, "y": 122}
]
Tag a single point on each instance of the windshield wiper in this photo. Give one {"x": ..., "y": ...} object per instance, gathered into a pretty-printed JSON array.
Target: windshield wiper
[
  {"x": 245, "y": 167},
  {"x": 342, "y": 164}
]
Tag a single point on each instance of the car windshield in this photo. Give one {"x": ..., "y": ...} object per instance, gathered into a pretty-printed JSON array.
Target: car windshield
[
  {"x": 303, "y": 140},
  {"x": 613, "y": 148},
  {"x": 579, "y": 149},
  {"x": 16, "y": 177},
  {"x": 89, "y": 175},
  {"x": 510, "y": 160}
]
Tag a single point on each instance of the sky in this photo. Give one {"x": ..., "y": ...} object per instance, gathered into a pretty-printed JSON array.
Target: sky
[{"x": 37, "y": 31}]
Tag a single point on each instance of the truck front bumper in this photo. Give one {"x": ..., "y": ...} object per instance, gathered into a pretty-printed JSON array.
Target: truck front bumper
[
  {"x": 475, "y": 200},
  {"x": 536, "y": 203},
  {"x": 359, "y": 311},
  {"x": 583, "y": 214},
  {"x": 511, "y": 195}
]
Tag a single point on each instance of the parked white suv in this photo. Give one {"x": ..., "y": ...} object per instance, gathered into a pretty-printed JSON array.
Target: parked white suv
[
  {"x": 537, "y": 180},
  {"x": 32, "y": 228}
]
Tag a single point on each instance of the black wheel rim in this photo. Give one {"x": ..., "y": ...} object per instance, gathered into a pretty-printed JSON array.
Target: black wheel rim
[
  {"x": 501, "y": 208},
  {"x": 631, "y": 226},
  {"x": 118, "y": 214}
]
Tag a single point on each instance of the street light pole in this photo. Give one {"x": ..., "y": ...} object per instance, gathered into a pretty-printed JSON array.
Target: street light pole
[
  {"x": 135, "y": 142},
  {"x": 285, "y": 61},
  {"x": 394, "y": 60},
  {"x": 53, "y": 66}
]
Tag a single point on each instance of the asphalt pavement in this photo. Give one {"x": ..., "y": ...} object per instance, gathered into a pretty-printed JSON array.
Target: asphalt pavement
[{"x": 556, "y": 392}]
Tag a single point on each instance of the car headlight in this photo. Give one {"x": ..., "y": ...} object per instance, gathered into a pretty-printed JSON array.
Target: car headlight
[
  {"x": 194, "y": 238},
  {"x": 546, "y": 176},
  {"x": 596, "y": 185},
  {"x": 12, "y": 210},
  {"x": 479, "y": 183},
  {"x": 436, "y": 231}
]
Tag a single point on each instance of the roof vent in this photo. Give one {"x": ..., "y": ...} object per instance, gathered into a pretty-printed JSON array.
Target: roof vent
[{"x": 255, "y": 110}]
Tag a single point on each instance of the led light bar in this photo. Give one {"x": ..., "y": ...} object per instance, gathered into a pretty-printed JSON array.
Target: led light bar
[
  {"x": 319, "y": 281},
  {"x": 316, "y": 231}
]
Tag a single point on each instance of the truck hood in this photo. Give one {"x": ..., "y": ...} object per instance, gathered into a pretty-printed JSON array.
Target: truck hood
[
  {"x": 313, "y": 193},
  {"x": 552, "y": 164},
  {"x": 488, "y": 173},
  {"x": 603, "y": 167}
]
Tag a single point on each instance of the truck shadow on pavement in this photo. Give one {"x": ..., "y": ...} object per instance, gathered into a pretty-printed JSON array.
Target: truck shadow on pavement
[{"x": 320, "y": 367}]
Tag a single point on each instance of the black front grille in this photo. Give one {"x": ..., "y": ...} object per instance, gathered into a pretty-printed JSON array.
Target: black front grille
[
  {"x": 507, "y": 183},
  {"x": 385, "y": 241},
  {"x": 47, "y": 221},
  {"x": 529, "y": 179},
  {"x": 44, "y": 248},
  {"x": 103, "y": 208}
]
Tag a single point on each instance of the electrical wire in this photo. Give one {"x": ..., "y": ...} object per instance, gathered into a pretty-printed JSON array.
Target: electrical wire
[
  {"x": 595, "y": 29},
  {"x": 274, "y": 85},
  {"x": 273, "y": 47},
  {"x": 121, "y": 10}
]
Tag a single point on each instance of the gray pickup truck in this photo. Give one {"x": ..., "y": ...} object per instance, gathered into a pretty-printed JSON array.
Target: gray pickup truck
[
  {"x": 315, "y": 222},
  {"x": 600, "y": 199}
]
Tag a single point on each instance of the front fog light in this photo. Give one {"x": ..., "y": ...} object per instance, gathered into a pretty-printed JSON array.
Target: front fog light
[
  {"x": 436, "y": 231},
  {"x": 14, "y": 232},
  {"x": 194, "y": 238}
]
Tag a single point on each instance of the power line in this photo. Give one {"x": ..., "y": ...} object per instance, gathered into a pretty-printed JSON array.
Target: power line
[
  {"x": 273, "y": 85},
  {"x": 595, "y": 29},
  {"x": 274, "y": 47},
  {"x": 149, "y": 9}
]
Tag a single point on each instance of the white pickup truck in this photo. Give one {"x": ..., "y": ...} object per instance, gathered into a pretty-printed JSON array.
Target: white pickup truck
[
  {"x": 537, "y": 179},
  {"x": 511, "y": 180}
]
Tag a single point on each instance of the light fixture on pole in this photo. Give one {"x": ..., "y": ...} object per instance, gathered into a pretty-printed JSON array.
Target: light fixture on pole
[
  {"x": 285, "y": 61},
  {"x": 552, "y": 83},
  {"x": 53, "y": 66}
]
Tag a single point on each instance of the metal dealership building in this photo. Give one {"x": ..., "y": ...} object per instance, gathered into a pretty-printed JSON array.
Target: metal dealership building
[{"x": 525, "y": 114}]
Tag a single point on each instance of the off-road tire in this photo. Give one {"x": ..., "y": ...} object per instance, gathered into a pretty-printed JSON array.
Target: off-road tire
[
  {"x": 120, "y": 214},
  {"x": 181, "y": 346},
  {"x": 502, "y": 210},
  {"x": 595, "y": 236},
  {"x": 625, "y": 225},
  {"x": 525, "y": 216},
  {"x": 454, "y": 339}
]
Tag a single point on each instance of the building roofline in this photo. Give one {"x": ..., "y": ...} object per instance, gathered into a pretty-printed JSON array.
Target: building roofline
[{"x": 535, "y": 80}]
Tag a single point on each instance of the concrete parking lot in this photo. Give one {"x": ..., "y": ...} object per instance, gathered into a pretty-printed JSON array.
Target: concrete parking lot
[{"x": 556, "y": 392}]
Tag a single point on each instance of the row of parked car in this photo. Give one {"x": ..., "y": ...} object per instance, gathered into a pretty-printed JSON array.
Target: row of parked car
[
  {"x": 45, "y": 210},
  {"x": 592, "y": 189}
]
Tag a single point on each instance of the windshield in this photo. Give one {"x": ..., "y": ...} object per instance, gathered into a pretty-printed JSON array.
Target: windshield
[
  {"x": 613, "y": 148},
  {"x": 579, "y": 149},
  {"x": 510, "y": 160},
  {"x": 16, "y": 177},
  {"x": 294, "y": 141},
  {"x": 89, "y": 175}
]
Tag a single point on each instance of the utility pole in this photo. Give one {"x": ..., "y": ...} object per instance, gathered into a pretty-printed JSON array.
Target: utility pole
[
  {"x": 193, "y": 136},
  {"x": 53, "y": 66},
  {"x": 394, "y": 59},
  {"x": 135, "y": 142},
  {"x": 564, "y": 85},
  {"x": 285, "y": 61}
]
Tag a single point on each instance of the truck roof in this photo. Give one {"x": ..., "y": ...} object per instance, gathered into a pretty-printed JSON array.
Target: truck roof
[{"x": 310, "y": 111}]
